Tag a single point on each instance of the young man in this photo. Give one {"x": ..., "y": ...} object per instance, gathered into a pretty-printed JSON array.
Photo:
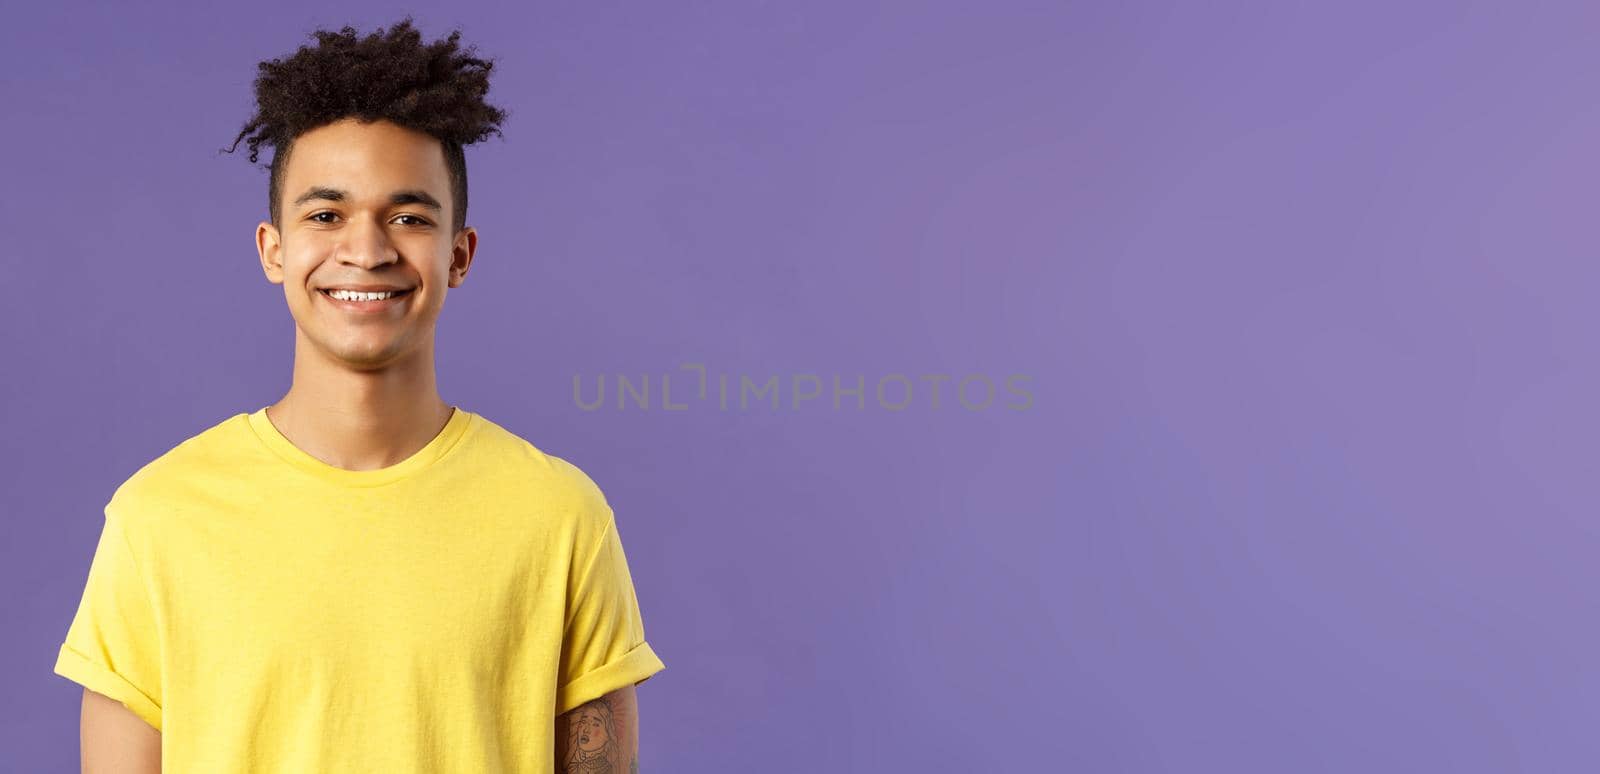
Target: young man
[{"x": 361, "y": 576}]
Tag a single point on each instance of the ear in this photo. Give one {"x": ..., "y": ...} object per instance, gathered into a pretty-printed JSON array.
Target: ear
[
  {"x": 461, "y": 255},
  {"x": 270, "y": 246}
]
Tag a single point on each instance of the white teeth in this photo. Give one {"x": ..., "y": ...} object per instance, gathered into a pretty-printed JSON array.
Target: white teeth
[{"x": 354, "y": 295}]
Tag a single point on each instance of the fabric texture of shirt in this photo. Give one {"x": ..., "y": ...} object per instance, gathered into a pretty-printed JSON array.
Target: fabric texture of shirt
[{"x": 269, "y": 612}]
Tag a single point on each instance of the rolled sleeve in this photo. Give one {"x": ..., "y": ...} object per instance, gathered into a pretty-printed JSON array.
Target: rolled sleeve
[
  {"x": 604, "y": 646},
  {"x": 112, "y": 646}
]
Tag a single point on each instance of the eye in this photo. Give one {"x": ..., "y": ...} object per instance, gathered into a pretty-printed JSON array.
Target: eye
[{"x": 317, "y": 218}]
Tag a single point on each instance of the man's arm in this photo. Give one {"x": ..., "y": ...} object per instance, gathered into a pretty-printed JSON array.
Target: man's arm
[
  {"x": 116, "y": 741},
  {"x": 600, "y": 736}
]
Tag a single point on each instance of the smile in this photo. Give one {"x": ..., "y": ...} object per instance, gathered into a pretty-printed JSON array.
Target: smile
[
  {"x": 358, "y": 295},
  {"x": 365, "y": 302}
]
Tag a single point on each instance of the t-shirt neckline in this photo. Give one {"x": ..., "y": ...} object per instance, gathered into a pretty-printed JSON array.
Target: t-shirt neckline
[{"x": 279, "y": 444}]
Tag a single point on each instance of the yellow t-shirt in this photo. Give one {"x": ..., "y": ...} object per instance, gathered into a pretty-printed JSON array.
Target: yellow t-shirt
[{"x": 268, "y": 612}]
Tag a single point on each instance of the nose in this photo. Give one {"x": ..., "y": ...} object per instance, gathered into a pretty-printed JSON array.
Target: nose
[{"x": 366, "y": 244}]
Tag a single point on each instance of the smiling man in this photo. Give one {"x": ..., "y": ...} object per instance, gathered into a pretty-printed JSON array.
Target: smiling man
[{"x": 361, "y": 576}]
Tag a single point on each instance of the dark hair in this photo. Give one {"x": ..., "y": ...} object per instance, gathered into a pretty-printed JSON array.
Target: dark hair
[{"x": 426, "y": 87}]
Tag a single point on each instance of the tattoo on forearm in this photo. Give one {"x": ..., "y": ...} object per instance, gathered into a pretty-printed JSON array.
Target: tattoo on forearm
[{"x": 595, "y": 741}]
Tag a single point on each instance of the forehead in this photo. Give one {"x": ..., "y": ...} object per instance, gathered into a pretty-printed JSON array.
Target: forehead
[{"x": 368, "y": 160}]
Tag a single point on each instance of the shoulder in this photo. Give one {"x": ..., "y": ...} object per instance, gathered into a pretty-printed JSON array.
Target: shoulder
[
  {"x": 176, "y": 480},
  {"x": 551, "y": 478}
]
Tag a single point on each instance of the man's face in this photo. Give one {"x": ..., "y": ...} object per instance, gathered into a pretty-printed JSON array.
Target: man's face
[{"x": 358, "y": 211}]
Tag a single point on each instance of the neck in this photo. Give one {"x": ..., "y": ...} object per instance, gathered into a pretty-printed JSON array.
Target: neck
[{"x": 360, "y": 419}]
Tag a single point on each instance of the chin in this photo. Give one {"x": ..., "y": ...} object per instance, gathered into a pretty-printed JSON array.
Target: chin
[{"x": 365, "y": 357}]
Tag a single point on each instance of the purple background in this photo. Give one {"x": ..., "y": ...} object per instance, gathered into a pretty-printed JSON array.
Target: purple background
[{"x": 1306, "y": 295}]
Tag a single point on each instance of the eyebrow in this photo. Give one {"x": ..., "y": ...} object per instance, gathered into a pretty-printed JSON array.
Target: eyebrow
[{"x": 411, "y": 196}]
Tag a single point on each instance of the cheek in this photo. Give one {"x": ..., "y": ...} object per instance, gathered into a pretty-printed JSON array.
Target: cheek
[
  {"x": 302, "y": 258},
  {"x": 297, "y": 277}
]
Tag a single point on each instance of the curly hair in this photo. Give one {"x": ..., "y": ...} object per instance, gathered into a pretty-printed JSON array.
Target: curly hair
[{"x": 429, "y": 88}]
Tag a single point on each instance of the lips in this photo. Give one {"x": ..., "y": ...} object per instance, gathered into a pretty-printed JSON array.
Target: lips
[
  {"x": 397, "y": 291},
  {"x": 370, "y": 309}
]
